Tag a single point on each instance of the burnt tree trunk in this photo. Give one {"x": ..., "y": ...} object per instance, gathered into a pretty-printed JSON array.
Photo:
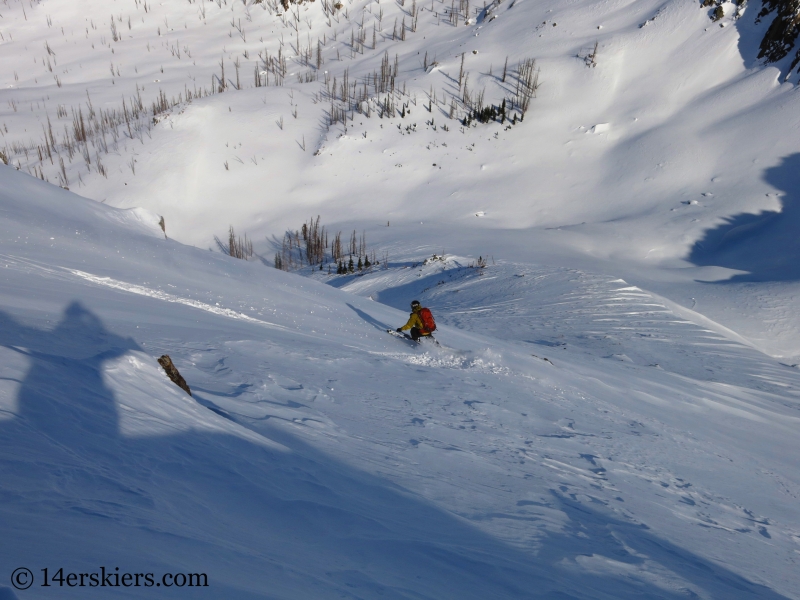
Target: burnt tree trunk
[{"x": 172, "y": 372}]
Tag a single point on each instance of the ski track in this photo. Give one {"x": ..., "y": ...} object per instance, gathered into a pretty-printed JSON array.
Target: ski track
[
  {"x": 552, "y": 310},
  {"x": 608, "y": 323},
  {"x": 480, "y": 428},
  {"x": 485, "y": 434}
]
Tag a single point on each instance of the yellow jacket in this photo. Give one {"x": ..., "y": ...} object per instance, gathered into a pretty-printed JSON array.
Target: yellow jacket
[{"x": 414, "y": 320}]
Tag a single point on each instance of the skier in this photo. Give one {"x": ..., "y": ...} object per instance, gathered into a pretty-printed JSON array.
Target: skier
[{"x": 420, "y": 322}]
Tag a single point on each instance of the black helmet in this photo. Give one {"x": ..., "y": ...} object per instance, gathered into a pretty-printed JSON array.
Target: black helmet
[{"x": 415, "y": 305}]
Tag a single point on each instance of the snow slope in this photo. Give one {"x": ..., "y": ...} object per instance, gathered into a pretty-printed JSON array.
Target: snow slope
[
  {"x": 613, "y": 412},
  {"x": 319, "y": 457},
  {"x": 639, "y": 167}
]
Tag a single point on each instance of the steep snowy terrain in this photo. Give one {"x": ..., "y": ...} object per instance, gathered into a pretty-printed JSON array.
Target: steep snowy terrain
[
  {"x": 613, "y": 411},
  {"x": 671, "y": 160},
  {"x": 532, "y": 455}
]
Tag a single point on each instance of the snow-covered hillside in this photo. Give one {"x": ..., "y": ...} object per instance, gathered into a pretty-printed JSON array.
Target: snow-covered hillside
[
  {"x": 676, "y": 141},
  {"x": 539, "y": 451},
  {"x": 613, "y": 410}
]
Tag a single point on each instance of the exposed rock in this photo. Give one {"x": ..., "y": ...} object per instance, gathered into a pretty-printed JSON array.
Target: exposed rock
[
  {"x": 782, "y": 33},
  {"x": 172, "y": 372}
]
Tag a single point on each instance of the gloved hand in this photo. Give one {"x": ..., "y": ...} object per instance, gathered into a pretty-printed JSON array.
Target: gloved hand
[{"x": 399, "y": 330}]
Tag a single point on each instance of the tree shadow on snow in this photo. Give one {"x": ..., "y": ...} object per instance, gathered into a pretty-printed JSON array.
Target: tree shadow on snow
[
  {"x": 369, "y": 319},
  {"x": 277, "y": 519},
  {"x": 767, "y": 244}
]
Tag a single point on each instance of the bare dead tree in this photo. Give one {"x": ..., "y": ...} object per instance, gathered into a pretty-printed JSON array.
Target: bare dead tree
[
  {"x": 527, "y": 83},
  {"x": 239, "y": 247},
  {"x": 336, "y": 249}
]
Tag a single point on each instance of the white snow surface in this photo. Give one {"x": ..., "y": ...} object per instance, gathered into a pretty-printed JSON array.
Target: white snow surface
[
  {"x": 672, "y": 161},
  {"x": 573, "y": 435},
  {"x": 613, "y": 411}
]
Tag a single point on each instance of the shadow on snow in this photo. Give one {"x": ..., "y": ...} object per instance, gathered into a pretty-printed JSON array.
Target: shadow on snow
[
  {"x": 262, "y": 522},
  {"x": 767, "y": 244}
]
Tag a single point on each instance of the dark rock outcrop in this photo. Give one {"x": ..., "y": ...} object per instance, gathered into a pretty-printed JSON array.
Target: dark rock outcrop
[
  {"x": 172, "y": 372},
  {"x": 780, "y": 38}
]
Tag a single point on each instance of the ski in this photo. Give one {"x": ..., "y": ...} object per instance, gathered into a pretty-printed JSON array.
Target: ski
[
  {"x": 402, "y": 336},
  {"x": 410, "y": 339}
]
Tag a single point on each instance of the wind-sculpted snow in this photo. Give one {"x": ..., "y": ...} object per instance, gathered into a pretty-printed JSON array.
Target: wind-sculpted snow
[
  {"x": 28, "y": 266},
  {"x": 613, "y": 411},
  {"x": 622, "y": 164},
  {"x": 540, "y": 451},
  {"x": 159, "y": 295},
  {"x": 551, "y": 310}
]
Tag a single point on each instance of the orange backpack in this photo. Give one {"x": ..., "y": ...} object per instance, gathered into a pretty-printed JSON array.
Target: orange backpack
[{"x": 427, "y": 319}]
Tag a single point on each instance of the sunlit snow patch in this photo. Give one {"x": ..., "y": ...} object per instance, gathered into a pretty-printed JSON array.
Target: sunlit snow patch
[{"x": 159, "y": 295}]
